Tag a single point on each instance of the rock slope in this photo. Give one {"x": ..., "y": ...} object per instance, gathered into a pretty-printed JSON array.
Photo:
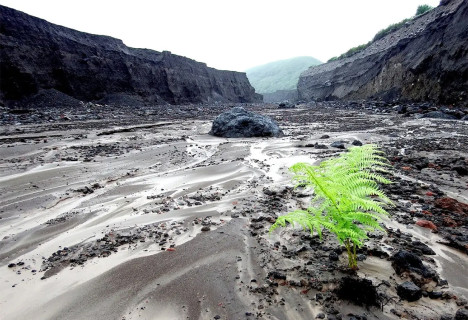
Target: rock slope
[
  {"x": 37, "y": 56},
  {"x": 426, "y": 59}
]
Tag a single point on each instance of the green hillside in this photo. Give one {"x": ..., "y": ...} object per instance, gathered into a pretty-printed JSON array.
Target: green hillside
[{"x": 279, "y": 75}]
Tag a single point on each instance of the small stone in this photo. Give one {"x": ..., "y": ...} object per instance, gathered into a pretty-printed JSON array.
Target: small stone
[
  {"x": 461, "y": 302},
  {"x": 451, "y": 205},
  {"x": 435, "y": 294},
  {"x": 333, "y": 256},
  {"x": 404, "y": 261},
  {"x": 401, "y": 109},
  {"x": 426, "y": 224},
  {"x": 358, "y": 290},
  {"x": 361, "y": 257},
  {"x": 320, "y": 146},
  {"x": 357, "y": 143},
  {"x": 205, "y": 228},
  {"x": 277, "y": 275},
  {"x": 462, "y": 314},
  {"x": 418, "y": 245},
  {"x": 409, "y": 291},
  {"x": 442, "y": 282},
  {"x": 338, "y": 144},
  {"x": 395, "y": 312},
  {"x": 12, "y": 265},
  {"x": 321, "y": 315}
]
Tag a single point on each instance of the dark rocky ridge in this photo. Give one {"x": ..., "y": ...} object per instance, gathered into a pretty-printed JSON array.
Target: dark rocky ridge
[
  {"x": 37, "y": 56},
  {"x": 427, "y": 59}
]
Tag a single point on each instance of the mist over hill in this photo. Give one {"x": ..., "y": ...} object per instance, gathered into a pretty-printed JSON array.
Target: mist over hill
[{"x": 279, "y": 75}]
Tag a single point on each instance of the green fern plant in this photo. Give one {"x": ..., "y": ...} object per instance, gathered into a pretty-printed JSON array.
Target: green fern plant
[{"x": 348, "y": 201}]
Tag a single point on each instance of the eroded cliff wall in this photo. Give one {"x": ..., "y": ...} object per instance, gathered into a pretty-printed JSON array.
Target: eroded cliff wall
[
  {"x": 36, "y": 55},
  {"x": 426, "y": 60}
]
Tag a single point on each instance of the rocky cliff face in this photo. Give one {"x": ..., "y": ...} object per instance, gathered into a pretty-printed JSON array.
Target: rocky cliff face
[
  {"x": 425, "y": 60},
  {"x": 37, "y": 56}
]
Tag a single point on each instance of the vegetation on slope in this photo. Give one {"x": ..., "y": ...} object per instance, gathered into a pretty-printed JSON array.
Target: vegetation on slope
[
  {"x": 382, "y": 33},
  {"x": 423, "y": 9},
  {"x": 279, "y": 75}
]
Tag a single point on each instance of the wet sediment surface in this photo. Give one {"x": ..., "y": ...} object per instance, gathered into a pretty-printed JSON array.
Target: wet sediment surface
[{"x": 155, "y": 219}]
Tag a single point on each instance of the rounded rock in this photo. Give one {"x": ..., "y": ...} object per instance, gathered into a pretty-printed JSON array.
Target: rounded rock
[
  {"x": 409, "y": 291},
  {"x": 239, "y": 123}
]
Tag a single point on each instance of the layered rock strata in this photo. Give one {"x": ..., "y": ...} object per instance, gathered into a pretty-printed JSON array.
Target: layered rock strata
[
  {"x": 425, "y": 60},
  {"x": 37, "y": 56}
]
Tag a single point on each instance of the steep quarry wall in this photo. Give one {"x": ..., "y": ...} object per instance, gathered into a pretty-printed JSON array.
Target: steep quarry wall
[
  {"x": 427, "y": 59},
  {"x": 37, "y": 56}
]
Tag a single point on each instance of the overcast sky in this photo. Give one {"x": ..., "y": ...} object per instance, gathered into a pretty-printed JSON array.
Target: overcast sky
[{"x": 229, "y": 35}]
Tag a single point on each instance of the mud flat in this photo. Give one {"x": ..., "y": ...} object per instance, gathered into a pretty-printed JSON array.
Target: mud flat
[{"x": 149, "y": 217}]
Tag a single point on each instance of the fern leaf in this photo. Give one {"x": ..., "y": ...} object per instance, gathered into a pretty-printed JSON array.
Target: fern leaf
[{"x": 347, "y": 201}]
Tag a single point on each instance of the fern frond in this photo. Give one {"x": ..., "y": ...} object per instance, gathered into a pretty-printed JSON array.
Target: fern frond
[
  {"x": 371, "y": 221},
  {"x": 365, "y": 191},
  {"x": 347, "y": 201},
  {"x": 353, "y": 233},
  {"x": 302, "y": 218},
  {"x": 369, "y": 205}
]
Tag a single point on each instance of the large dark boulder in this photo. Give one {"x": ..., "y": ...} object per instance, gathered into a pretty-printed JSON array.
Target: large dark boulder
[
  {"x": 425, "y": 59},
  {"x": 239, "y": 123},
  {"x": 38, "y": 57}
]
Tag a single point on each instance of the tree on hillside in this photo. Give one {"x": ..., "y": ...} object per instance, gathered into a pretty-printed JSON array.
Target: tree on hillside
[{"x": 423, "y": 9}]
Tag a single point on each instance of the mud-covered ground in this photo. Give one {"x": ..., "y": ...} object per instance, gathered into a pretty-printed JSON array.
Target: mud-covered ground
[{"x": 118, "y": 213}]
